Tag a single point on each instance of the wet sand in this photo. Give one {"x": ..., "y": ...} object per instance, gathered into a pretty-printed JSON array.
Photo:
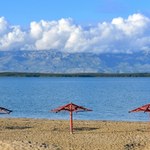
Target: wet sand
[{"x": 42, "y": 134}]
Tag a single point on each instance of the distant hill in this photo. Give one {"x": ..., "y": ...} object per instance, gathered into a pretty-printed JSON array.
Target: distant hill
[{"x": 59, "y": 62}]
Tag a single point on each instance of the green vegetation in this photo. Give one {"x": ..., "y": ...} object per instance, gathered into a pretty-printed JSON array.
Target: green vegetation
[{"x": 26, "y": 74}]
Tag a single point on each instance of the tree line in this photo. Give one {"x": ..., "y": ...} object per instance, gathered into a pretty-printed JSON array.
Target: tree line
[{"x": 30, "y": 74}]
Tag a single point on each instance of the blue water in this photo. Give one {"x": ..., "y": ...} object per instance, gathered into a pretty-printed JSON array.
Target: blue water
[{"x": 110, "y": 98}]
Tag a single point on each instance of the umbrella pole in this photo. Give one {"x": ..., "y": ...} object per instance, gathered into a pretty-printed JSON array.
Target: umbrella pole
[{"x": 71, "y": 123}]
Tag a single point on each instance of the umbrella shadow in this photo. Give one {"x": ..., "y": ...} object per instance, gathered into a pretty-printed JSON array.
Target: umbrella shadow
[
  {"x": 143, "y": 130},
  {"x": 17, "y": 127},
  {"x": 129, "y": 131},
  {"x": 85, "y": 129},
  {"x": 76, "y": 129}
]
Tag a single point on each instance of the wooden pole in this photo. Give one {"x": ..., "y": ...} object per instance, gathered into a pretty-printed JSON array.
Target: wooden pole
[
  {"x": 71, "y": 123},
  {"x": 71, "y": 120}
]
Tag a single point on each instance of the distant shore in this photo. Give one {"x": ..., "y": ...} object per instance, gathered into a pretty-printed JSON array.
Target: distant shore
[
  {"x": 43, "y": 134},
  {"x": 30, "y": 74}
]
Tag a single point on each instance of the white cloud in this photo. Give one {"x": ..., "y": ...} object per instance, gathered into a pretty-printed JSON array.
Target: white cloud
[
  {"x": 3, "y": 26},
  {"x": 134, "y": 25},
  {"x": 119, "y": 35},
  {"x": 14, "y": 38}
]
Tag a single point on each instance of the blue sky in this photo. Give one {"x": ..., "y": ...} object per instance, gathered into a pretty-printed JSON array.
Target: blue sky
[
  {"x": 22, "y": 12},
  {"x": 117, "y": 26}
]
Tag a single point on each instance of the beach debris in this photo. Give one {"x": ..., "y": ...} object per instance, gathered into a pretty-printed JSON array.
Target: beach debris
[
  {"x": 134, "y": 145},
  {"x": 71, "y": 108},
  {"x": 4, "y": 110}
]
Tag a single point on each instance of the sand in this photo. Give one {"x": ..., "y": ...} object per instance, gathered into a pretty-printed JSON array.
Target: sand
[{"x": 42, "y": 134}]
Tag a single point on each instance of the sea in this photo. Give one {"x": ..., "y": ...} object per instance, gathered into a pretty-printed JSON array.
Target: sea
[{"x": 110, "y": 98}]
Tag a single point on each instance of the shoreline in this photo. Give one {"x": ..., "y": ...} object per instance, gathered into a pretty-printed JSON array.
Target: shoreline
[
  {"x": 18, "y": 133},
  {"x": 74, "y": 119}
]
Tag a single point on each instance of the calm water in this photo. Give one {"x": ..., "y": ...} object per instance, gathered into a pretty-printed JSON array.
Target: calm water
[{"x": 110, "y": 98}]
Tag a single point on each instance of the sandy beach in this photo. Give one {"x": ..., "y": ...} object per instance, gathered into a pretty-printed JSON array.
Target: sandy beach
[{"x": 42, "y": 134}]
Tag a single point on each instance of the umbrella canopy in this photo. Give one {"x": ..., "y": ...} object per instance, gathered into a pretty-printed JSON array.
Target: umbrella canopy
[
  {"x": 71, "y": 108},
  {"x": 145, "y": 108},
  {"x": 4, "y": 110}
]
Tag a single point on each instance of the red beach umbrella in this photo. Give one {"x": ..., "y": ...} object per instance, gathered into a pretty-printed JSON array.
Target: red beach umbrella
[
  {"x": 145, "y": 108},
  {"x": 4, "y": 110},
  {"x": 71, "y": 108}
]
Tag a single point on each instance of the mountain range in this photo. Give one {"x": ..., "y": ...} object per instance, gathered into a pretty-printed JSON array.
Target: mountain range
[{"x": 53, "y": 61}]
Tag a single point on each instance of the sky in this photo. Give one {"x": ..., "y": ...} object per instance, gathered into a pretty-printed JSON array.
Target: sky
[
  {"x": 75, "y": 25},
  {"x": 82, "y": 11}
]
